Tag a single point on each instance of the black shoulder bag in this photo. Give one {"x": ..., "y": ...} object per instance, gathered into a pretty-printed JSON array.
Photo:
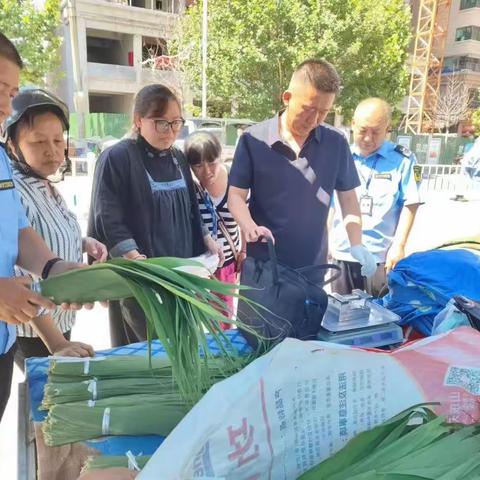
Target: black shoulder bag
[{"x": 293, "y": 300}]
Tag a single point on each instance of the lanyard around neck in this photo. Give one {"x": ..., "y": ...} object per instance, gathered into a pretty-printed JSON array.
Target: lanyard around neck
[
  {"x": 210, "y": 206},
  {"x": 372, "y": 170}
]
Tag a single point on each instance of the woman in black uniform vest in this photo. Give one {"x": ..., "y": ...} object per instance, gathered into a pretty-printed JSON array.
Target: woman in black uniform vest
[{"x": 143, "y": 199}]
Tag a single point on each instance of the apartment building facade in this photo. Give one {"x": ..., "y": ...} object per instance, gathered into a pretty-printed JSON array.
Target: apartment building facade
[
  {"x": 462, "y": 47},
  {"x": 111, "y": 49}
]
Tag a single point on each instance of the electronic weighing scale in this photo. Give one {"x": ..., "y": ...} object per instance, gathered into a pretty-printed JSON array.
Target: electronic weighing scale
[{"x": 357, "y": 321}]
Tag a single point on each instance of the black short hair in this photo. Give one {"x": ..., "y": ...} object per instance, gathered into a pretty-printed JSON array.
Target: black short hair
[
  {"x": 202, "y": 146},
  {"x": 320, "y": 74},
  {"x": 9, "y": 51}
]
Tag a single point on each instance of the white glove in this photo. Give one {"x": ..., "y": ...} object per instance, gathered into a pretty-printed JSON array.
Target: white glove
[{"x": 366, "y": 260}]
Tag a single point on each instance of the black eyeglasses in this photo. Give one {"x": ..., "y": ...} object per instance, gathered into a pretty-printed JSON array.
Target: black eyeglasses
[{"x": 162, "y": 126}]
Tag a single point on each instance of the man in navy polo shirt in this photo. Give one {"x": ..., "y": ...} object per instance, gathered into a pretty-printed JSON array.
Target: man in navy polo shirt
[{"x": 291, "y": 164}]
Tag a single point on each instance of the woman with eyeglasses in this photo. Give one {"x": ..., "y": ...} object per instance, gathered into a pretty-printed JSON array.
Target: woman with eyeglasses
[{"x": 143, "y": 199}]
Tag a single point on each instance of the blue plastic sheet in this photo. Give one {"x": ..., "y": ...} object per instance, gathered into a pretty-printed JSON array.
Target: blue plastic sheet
[{"x": 421, "y": 285}]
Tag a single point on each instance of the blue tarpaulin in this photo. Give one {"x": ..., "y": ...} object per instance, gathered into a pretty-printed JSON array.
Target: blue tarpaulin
[{"x": 421, "y": 284}]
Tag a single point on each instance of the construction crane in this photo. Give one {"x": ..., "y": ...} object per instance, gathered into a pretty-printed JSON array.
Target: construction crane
[{"x": 426, "y": 65}]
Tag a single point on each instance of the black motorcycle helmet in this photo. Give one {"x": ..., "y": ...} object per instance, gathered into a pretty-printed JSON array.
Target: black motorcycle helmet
[{"x": 29, "y": 99}]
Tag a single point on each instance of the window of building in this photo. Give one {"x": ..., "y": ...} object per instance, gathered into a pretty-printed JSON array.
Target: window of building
[
  {"x": 110, "y": 103},
  {"x": 109, "y": 47},
  {"x": 467, "y": 33},
  {"x": 469, "y": 63},
  {"x": 465, "y": 4},
  {"x": 452, "y": 64},
  {"x": 103, "y": 50}
]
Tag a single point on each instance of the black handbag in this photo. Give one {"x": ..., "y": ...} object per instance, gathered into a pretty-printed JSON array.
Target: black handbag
[{"x": 291, "y": 301}]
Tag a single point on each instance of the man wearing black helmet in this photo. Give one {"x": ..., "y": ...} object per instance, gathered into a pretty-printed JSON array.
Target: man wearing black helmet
[{"x": 19, "y": 243}]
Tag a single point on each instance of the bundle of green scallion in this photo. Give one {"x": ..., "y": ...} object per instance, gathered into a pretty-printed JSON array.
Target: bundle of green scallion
[
  {"x": 414, "y": 445},
  {"x": 180, "y": 308},
  {"x": 63, "y": 370},
  {"x": 74, "y": 380},
  {"x": 142, "y": 414},
  {"x": 110, "y": 461},
  {"x": 94, "y": 389},
  {"x": 116, "y": 395}
]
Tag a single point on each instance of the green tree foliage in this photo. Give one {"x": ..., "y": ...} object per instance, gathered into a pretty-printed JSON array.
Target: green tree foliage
[
  {"x": 34, "y": 31},
  {"x": 254, "y": 46},
  {"x": 476, "y": 121}
]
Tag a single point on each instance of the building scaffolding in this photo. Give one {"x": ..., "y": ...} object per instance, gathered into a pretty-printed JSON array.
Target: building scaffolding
[{"x": 426, "y": 65}]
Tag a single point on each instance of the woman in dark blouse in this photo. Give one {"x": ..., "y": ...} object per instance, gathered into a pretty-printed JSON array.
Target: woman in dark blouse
[{"x": 143, "y": 199}]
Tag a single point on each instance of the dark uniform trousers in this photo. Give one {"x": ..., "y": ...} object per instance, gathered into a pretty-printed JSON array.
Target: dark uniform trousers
[{"x": 6, "y": 373}]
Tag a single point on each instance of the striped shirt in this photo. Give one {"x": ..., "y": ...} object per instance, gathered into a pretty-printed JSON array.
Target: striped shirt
[
  {"x": 49, "y": 216},
  {"x": 230, "y": 223}
]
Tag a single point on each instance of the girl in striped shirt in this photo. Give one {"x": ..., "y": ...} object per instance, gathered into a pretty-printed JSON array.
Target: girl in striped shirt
[{"x": 203, "y": 152}]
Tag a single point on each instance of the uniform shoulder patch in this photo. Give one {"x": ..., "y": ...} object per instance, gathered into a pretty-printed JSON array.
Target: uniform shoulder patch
[
  {"x": 7, "y": 184},
  {"x": 417, "y": 173},
  {"x": 403, "y": 150}
]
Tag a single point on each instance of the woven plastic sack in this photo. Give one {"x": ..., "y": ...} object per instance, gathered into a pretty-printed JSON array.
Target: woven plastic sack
[{"x": 301, "y": 402}]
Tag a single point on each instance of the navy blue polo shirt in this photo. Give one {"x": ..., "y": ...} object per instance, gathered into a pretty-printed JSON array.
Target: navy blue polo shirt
[{"x": 289, "y": 195}]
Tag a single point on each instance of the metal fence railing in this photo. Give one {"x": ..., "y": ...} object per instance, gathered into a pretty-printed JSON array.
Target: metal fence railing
[
  {"x": 435, "y": 180},
  {"x": 447, "y": 179}
]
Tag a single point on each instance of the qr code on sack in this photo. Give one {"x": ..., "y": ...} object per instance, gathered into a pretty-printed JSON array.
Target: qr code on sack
[{"x": 464, "y": 377}]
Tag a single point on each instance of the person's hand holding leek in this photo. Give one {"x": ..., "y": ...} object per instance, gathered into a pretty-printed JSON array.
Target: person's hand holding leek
[
  {"x": 46, "y": 329},
  {"x": 93, "y": 248},
  {"x": 212, "y": 246},
  {"x": 18, "y": 303},
  {"x": 134, "y": 255}
]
